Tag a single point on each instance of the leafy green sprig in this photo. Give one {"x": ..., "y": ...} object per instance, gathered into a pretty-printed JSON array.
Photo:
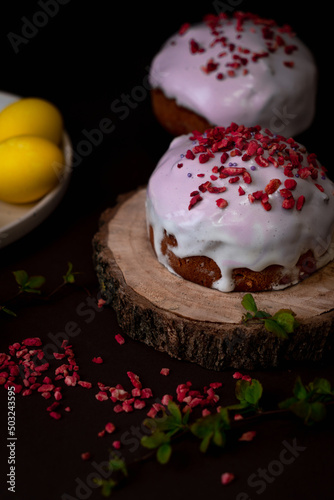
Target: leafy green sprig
[
  {"x": 33, "y": 284},
  {"x": 309, "y": 402},
  {"x": 281, "y": 324},
  {"x": 172, "y": 423},
  {"x": 210, "y": 429},
  {"x": 117, "y": 467}
]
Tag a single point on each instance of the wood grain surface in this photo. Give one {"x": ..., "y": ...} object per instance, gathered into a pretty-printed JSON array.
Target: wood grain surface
[{"x": 196, "y": 323}]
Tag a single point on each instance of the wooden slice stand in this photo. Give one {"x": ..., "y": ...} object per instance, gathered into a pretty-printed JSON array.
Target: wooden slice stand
[{"x": 198, "y": 324}]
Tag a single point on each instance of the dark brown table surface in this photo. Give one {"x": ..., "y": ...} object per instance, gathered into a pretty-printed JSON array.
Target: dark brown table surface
[{"x": 84, "y": 58}]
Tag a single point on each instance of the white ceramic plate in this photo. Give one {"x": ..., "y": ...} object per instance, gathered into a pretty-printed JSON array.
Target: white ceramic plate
[{"x": 18, "y": 220}]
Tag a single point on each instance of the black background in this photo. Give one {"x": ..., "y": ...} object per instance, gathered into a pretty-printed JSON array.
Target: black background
[{"x": 84, "y": 58}]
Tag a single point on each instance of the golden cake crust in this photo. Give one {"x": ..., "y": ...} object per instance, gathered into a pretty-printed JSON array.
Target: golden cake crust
[
  {"x": 204, "y": 271},
  {"x": 176, "y": 119}
]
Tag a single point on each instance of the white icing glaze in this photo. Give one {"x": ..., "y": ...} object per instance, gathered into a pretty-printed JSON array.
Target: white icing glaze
[
  {"x": 271, "y": 94},
  {"x": 243, "y": 234}
]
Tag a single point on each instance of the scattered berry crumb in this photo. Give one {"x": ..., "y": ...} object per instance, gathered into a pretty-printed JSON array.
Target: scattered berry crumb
[
  {"x": 97, "y": 360},
  {"x": 227, "y": 477},
  {"x": 119, "y": 339},
  {"x": 164, "y": 371},
  {"x": 247, "y": 436},
  {"x": 100, "y": 303},
  {"x": 109, "y": 427}
]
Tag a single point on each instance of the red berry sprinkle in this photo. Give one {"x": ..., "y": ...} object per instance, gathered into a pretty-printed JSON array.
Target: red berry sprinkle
[
  {"x": 194, "y": 200},
  {"x": 288, "y": 203},
  {"x": 221, "y": 203},
  {"x": 247, "y": 436},
  {"x": 227, "y": 477},
  {"x": 300, "y": 202},
  {"x": 210, "y": 66},
  {"x": 119, "y": 339},
  {"x": 184, "y": 28},
  {"x": 290, "y": 184},
  {"x": 190, "y": 155},
  {"x": 272, "y": 186},
  {"x": 110, "y": 427},
  {"x": 97, "y": 360}
]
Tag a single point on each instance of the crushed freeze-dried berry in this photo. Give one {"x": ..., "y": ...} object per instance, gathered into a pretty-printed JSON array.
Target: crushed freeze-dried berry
[
  {"x": 272, "y": 186},
  {"x": 120, "y": 339},
  {"x": 101, "y": 303},
  {"x": 221, "y": 203},
  {"x": 227, "y": 477},
  {"x": 109, "y": 427},
  {"x": 247, "y": 436},
  {"x": 194, "y": 200},
  {"x": 97, "y": 360}
]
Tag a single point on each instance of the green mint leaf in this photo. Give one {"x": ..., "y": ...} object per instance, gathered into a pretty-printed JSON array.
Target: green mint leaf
[
  {"x": 155, "y": 440},
  {"x": 272, "y": 326},
  {"x": 318, "y": 412},
  {"x": 286, "y": 319},
  {"x": 224, "y": 418},
  {"x": 321, "y": 386},
  {"x": 117, "y": 464},
  {"x": 246, "y": 317},
  {"x": 107, "y": 485},
  {"x": 163, "y": 453},
  {"x": 240, "y": 388},
  {"x": 302, "y": 409},
  {"x": 7, "y": 311},
  {"x": 28, "y": 284},
  {"x": 35, "y": 282},
  {"x": 238, "y": 406},
  {"x": 69, "y": 276},
  {"x": 211, "y": 428},
  {"x": 175, "y": 411},
  {"x": 253, "y": 392},
  {"x": 219, "y": 438},
  {"x": 21, "y": 277},
  {"x": 27, "y": 289},
  {"x": 287, "y": 403},
  {"x": 299, "y": 390},
  {"x": 205, "y": 442},
  {"x": 248, "y": 393},
  {"x": 262, "y": 315},
  {"x": 248, "y": 303}
]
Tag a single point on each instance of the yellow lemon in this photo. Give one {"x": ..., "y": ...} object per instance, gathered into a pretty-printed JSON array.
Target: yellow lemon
[
  {"x": 30, "y": 167},
  {"x": 31, "y": 116}
]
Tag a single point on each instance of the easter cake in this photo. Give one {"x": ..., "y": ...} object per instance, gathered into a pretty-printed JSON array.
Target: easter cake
[
  {"x": 240, "y": 68},
  {"x": 240, "y": 209}
]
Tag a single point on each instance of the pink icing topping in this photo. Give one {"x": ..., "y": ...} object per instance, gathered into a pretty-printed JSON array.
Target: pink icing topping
[
  {"x": 243, "y": 197},
  {"x": 244, "y": 69}
]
